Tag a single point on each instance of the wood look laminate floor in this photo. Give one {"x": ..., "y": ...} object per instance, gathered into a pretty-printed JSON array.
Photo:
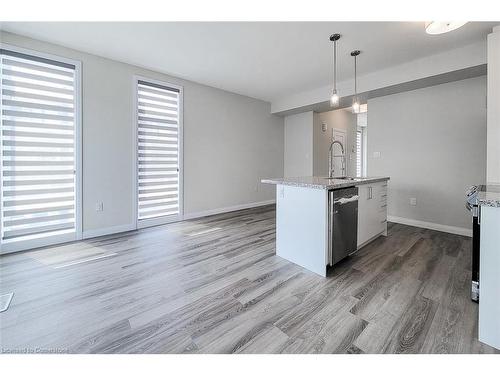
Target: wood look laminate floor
[{"x": 215, "y": 285}]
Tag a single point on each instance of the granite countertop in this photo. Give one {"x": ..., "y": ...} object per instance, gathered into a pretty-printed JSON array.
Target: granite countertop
[
  {"x": 321, "y": 182},
  {"x": 490, "y": 197}
]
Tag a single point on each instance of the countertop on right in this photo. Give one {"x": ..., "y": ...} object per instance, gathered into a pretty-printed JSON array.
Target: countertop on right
[{"x": 490, "y": 196}]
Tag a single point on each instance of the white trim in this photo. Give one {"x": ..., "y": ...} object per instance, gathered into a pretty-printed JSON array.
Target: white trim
[
  {"x": 428, "y": 225},
  {"x": 36, "y": 53},
  {"x": 163, "y": 219},
  {"x": 223, "y": 210},
  {"x": 93, "y": 233},
  {"x": 77, "y": 235},
  {"x": 78, "y": 151},
  {"x": 128, "y": 227},
  {"x": 108, "y": 230},
  {"x": 145, "y": 223},
  {"x": 13, "y": 247}
]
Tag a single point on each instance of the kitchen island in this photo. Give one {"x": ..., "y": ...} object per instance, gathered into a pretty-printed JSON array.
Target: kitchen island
[{"x": 305, "y": 217}]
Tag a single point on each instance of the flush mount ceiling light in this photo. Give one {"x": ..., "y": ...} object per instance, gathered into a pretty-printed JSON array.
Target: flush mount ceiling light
[
  {"x": 441, "y": 27},
  {"x": 334, "y": 97},
  {"x": 355, "y": 101}
]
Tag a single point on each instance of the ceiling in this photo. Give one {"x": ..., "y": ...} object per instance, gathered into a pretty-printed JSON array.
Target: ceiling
[{"x": 264, "y": 60}]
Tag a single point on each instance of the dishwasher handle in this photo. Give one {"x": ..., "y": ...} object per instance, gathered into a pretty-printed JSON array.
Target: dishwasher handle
[{"x": 345, "y": 200}]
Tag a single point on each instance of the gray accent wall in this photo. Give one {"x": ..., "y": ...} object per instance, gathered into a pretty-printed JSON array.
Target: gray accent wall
[
  {"x": 298, "y": 149},
  {"x": 231, "y": 141},
  {"x": 432, "y": 144}
]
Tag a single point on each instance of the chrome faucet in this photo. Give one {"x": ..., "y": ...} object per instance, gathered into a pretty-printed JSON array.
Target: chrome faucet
[{"x": 331, "y": 155}]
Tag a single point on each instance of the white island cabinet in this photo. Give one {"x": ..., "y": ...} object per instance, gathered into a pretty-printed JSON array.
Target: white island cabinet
[
  {"x": 372, "y": 212},
  {"x": 304, "y": 223}
]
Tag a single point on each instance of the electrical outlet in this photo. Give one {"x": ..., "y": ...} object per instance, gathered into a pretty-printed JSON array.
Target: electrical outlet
[
  {"x": 99, "y": 206},
  {"x": 413, "y": 201}
]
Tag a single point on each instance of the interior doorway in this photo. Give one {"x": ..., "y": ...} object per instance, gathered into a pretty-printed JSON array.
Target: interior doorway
[{"x": 341, "y": 136}]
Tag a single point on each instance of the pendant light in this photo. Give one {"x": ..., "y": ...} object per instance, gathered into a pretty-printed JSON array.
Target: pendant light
[
  {"x": 437, "y": 27},
  {"x": 334, "y": 97},
  {"x": 355, "y": 101}
]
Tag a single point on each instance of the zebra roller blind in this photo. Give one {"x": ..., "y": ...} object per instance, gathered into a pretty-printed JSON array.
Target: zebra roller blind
[
  {"x": 157, "y": 150},
  {"x": 359, "y": 150},
  {"x": 38, "y": 147}
]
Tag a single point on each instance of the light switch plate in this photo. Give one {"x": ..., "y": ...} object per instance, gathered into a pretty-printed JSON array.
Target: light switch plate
[
  {"x": 376, "y": 154},
  {"x": 99, "y": 206},
  {"x": 413, "y": 201}
]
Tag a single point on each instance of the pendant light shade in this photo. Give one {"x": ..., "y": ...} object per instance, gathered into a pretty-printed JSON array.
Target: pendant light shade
[
  {"x": 355, "y": 100},
  {"x": 441, "y": 27},
  {"x": 334, "y": 96}
]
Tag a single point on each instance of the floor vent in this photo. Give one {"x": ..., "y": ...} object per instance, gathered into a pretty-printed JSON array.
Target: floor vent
[{"x": 5, "y": 301}]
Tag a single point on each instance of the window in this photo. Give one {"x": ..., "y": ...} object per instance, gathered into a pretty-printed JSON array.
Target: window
[
  {"x": 39, "y": 143},
  {"x": 361, "y": 142},
  {"x": 359, "y": 152},
  {"x": 159, "y": 142}
]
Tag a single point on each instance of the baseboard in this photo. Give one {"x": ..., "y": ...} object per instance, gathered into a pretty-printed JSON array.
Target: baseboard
[
  {"x": 108, "y": 230},
  {"x": 224, "y": 210},
  {"x": 428, "y": 225},
  {"x": 87, "y": 234}
]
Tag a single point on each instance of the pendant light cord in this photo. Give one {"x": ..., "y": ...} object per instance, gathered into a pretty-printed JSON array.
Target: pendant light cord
[
  {"x": 335, "y": 65},
  {"x": 355, "y": 76}
]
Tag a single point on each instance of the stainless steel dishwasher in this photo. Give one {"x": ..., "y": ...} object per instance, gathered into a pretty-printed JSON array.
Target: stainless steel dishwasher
[{"x": 342, "y": 223}]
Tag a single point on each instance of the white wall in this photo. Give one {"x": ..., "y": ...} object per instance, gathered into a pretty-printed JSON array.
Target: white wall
[
  {"x": 433, "y": 146},
  {"x": 298, "y": 148},
  {"x": 342, "y": 119},
  {"x": 493, "y": 154},
  {"x": 231, "y": 141}
]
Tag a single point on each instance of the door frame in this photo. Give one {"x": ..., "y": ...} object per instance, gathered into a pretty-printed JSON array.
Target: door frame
[
  {"x": 347, "y": 164},
  {"x": 68, "y": 237},
  {"x": 165, "y": 219}
]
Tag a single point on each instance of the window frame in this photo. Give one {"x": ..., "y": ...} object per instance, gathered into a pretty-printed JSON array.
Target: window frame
[
  {"x": 168, "y": 218},
  {"x": 363, "y": 148},
  {"x": 68, "y": 237}
]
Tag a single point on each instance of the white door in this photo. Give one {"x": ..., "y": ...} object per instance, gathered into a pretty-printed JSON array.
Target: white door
[{"x": 341, "y": 136}]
